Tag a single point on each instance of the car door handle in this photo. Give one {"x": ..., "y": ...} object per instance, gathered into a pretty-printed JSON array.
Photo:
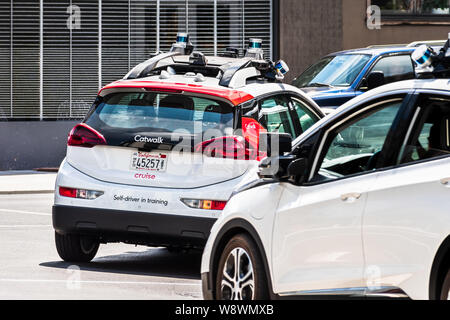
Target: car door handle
[
  {"x": 445, "y": 182},
  {"x": 350, "y": 197}
]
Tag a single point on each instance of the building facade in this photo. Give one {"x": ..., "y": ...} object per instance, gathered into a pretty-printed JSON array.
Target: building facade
[{"x": 56, "y": 54}]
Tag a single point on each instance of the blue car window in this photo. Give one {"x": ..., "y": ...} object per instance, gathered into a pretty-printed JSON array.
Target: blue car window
[{"x": 339, "y": 70}]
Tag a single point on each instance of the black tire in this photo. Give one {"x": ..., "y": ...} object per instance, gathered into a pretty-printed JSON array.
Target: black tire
[
  {"x": 249, "y": 258},
  {"x": 445, "y": 287},
  {"x": 175, "y": 250},
  {"x": 76, "y": 248}
]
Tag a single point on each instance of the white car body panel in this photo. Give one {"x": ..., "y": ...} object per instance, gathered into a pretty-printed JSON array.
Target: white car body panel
[
  {"x": 317, "y": 236},
  {"x": 386, "y": 239},
  {"x": 184, "y": 170},
  {"x": 68, "y": 176},
  {"x": 257, "y": 206},
  {"x": 401, "y": 241}
]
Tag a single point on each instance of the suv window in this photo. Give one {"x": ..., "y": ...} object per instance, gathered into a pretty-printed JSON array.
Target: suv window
[
  {"x": 155, "y": 112},
  {"x": 305, "y": 116},
  {"x": 355, "y": 146},
  {"x": 275, "y": 115},
  {"x": 395, "y": 68},
  {"x": 430, "y": 136}
]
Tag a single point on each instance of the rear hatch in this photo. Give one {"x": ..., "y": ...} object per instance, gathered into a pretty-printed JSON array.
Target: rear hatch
[{"x": 151, "y": 139}]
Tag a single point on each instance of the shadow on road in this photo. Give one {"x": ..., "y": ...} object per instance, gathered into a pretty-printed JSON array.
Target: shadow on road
[{"x": 152, "y": 262}]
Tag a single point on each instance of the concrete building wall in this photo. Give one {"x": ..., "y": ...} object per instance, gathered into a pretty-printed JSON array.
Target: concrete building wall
[
  {"x": 356, "y": 34},
  {"x": 308, "y": 30},
  {"x": 28, "y": 145}
]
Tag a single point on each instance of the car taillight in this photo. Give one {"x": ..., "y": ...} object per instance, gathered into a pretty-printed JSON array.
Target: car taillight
[
  {"x": 79, "y": 193},
  {"x": 204, "y": 204},
  {"x": 230, "y": 147},
  {"x": 83, "y": 135}
]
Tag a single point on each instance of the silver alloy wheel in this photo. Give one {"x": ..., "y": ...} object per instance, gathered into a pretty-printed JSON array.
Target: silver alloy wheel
[{"x": 238, "y": 277}]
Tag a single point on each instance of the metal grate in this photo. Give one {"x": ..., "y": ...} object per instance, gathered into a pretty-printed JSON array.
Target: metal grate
[
  {"x": 5, "y": 60},
  {"x": 25, "y": 54},
  {"x": 56, "y": 60},
  {"x": 142, "y": 30},
  {"x": 115, "y": 42},
  {"x": 114, "y": 36},
  {"x": 85, "y": 59}
]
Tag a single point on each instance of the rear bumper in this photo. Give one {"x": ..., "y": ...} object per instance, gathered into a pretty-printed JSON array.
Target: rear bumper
[{"x": 133, "y": 227}]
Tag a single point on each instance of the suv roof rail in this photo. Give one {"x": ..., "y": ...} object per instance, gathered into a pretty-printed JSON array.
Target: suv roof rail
[
  {"x": 427, "y": 42},
  {"x": 143, "y": 68},
  {"x": 385, "y": 46},
  {"x": 232, "y": 74}
]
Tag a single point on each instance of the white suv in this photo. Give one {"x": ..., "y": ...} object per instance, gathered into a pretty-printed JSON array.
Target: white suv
[
  {"x": 156, "y": 158},
  {"x": 360, "y": 206}
]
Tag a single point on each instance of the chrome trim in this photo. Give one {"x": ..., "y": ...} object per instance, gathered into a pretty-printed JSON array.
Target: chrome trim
[
  {"x": 387, "y": 291},
  {"x": 336, "y": 291}
]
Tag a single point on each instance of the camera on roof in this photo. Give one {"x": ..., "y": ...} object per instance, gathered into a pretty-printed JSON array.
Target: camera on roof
[
  {"x": 182, "y": 44},
  {"x": 430, "y": 64},
  {"x": 254, "y": 49}
]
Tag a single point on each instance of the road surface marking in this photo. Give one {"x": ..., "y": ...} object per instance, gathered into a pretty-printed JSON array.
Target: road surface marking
[
  {"x": 25, "y": 226},
  {"x": 26, "y": 212},
  {"x": 104, "y": 282}
]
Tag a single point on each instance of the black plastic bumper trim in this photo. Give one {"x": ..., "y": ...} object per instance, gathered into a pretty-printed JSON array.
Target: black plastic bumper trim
[{"x": 133, "y": 227}]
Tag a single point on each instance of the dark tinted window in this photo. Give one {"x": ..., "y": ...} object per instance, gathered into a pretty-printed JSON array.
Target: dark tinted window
[
  {"x": 155, "y": 112},
  {"x": 430, "y": 136}
]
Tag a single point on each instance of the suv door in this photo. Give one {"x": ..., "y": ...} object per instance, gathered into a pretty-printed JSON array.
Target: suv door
[
  {"x": 408, "y": 202},
  {"x": 317, "y": 245}
]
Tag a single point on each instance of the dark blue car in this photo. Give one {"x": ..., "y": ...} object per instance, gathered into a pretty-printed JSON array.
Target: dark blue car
[{"x": 339, "y": 77}]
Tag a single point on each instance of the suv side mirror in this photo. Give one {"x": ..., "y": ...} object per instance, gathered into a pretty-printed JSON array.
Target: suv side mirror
[
  {"x": 275, "y": 144},
  {"x": 283, "y": 167},
  {"x": 297, "y": 168},
  {"x": 375, "y": 79}
]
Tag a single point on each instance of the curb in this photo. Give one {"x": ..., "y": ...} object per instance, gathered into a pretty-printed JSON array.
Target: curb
[{"x": 27, "y": 192}]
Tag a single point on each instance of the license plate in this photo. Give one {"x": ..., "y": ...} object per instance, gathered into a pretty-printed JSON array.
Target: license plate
[{"x": 149, "y": 161}]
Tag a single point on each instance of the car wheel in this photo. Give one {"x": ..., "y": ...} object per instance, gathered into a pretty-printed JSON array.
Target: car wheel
[
  {"x": 240, "y": 273},
  {"x": 445, "y": 291},
  {"x": 76, "y": 248}
]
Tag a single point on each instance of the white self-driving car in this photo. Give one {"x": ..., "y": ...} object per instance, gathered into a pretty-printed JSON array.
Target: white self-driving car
[
  {"x": 156, "y": 158},
  {"x": 361, "y": 206}
]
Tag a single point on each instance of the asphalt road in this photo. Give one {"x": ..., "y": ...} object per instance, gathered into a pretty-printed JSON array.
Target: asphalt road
[{"x": 30, "y": 267}]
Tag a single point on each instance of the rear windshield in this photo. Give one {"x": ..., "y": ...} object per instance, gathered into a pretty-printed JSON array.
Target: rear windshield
[{"x": 160, "y": 113}]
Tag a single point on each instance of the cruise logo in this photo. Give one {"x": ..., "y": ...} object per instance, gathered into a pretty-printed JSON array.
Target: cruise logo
[{"x": 140, "y": 138}]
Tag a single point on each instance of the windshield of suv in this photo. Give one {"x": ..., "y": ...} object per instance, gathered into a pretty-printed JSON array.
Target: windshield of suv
[{"x": 339, "y": 71}]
